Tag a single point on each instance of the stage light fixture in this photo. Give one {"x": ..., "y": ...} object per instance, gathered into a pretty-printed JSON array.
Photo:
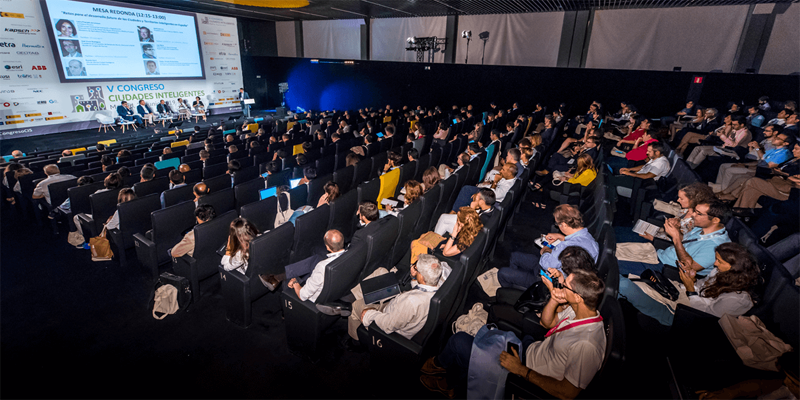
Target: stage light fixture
[{"x": 466, "y": 34}]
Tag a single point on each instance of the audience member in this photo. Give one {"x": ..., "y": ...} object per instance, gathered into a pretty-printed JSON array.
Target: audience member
[{"x": 203, "y": 213}]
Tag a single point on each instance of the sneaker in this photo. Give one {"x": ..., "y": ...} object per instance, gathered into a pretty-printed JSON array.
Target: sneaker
[
  {"x": 716, "y": 187},
  {"x": 437, "y": 384},
  {"x": 334, "y": 309},
  {"x": 430, "y": 368}
]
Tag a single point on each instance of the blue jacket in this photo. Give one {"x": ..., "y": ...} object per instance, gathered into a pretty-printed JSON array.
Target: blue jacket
[
  {"x": 143, "y": 110},
  {"x": 123, "y": 111}
]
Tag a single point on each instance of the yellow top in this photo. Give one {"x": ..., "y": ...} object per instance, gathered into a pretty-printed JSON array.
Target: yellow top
[
  {"x": 389, "y": 183},
  {"x": 585, "y": 178}
]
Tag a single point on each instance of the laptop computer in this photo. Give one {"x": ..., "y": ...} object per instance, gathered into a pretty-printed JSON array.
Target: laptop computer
[
  {"x": 380, "y": 288},
  {"x": 264, "y": 193}
]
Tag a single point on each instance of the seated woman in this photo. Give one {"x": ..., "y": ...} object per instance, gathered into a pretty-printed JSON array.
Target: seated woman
[
  {"x": 728, "y": 289},
  {"x": 125, "y": 195},
  {"x": 430, "y": 178},
  {"x": 584, "y": 173},
  {"x": 465, "y": 231},
  {"x": 694, "y": 123},
  {"x": 237, "y": 252},
  {"x": 331, "y": 193},
  {"x": 412, "y": 191}
]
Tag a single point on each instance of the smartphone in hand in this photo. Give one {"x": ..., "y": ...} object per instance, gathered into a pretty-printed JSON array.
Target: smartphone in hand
[{"x": 511, "y": 346}]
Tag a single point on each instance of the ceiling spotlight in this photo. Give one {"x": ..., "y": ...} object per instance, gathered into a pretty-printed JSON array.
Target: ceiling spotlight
[
  {"x": 411, "y": 40},
  {"x": 466, "y": 34}
]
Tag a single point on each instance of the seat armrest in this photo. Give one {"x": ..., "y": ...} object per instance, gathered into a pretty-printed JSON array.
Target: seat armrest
[
  {"x": 146, "y": 252},
  {"x": 508, "y": 296},
  {"x": 387, "y": 341},
  {"x": 87, "y": 222},
  {"x": 233, "y": 276},
  {"x": 518, "y": 387}
]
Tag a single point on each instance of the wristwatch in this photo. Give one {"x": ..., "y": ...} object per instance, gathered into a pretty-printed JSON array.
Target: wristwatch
[{"x": 688, "y": 293}]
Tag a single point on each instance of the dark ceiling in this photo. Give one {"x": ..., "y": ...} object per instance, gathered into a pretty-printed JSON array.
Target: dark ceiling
[{"x": 350, "y": 9}]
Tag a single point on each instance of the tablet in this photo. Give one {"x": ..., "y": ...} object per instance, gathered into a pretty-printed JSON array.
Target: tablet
[{"x": 268, "y": 192}]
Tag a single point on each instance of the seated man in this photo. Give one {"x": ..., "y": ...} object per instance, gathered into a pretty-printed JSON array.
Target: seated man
[
  {"x": 146, "y": 112},
  {"x": 501, "y": 183},
  {"x": 334, "y": 243},
  {"x": 512, "y": 156},
  {"x": 203, "y": 213},
  {"x": 656, "y": 167},
  {"x": 176, "y": 180},
  {"x": 164, "y": 109},
  {"x": 405, "y": 314},
  {"x": 446, "y": 170},
  {"x": 482, "y": 202},
  {"x": 124, "y": 111},
  {"x": 562, "y": 364},
  {"x": 42, "y": 192},
  {"x": 523, "y": 269},
  {"x": 200, "y": 190},
  {"x": 695, "y": 249}
]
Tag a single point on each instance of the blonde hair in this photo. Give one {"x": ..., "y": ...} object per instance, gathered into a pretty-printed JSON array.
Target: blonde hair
[{"x": 471, "y": 226}]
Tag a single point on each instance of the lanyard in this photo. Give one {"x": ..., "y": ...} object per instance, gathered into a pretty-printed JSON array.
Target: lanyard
[
  {"x": 556, "y": 328},
  {"x": 709, "y": 236}
]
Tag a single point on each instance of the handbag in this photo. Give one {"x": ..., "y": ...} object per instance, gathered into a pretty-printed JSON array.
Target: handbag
[
  {"x": 659, "y": 283},
  {"x": 101, "y": 248},
  {"x": 285, "y": 212},
  {"x": 534, "y": 299},
  {"x": 170, "y": 294}
]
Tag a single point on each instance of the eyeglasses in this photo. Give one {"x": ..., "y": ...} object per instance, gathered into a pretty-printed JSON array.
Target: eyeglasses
[{"x": 559, "y": 285}]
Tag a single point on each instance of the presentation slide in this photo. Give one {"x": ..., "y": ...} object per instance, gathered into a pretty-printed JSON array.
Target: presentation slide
[{"x": 105, "y": 40}]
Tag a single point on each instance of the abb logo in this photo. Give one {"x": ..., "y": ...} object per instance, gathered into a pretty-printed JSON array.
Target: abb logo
[{"x": 39, "y": 68}]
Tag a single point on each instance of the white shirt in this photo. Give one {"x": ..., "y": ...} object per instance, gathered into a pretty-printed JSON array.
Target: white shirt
[
  {"x": 41, "y": 188},
  {"x": 405, "y": 314},
  {"x": 236, "y": 262},
  {"x": 659, "y": 166},
  {"x": 731, "y": 303},
  {"x": 316, "y": 281},
  {"x": 501, "y": 189},
  {"x": 575, "y": 354},
  {"x": 114, "y": 222}
]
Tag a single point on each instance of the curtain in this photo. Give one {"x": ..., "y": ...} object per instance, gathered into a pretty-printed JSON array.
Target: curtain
[
  {"x": 513, "y": 39},
  {"x": 339, "y": 39},
  {"x": 783, "y": 51},
  {"x": 286, "y": 40},
  {"x": 389, "y": 37},
  {"x": 695, "y": 38}
]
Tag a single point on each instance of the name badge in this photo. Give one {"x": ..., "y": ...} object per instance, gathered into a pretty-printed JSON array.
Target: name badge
[{"x": 571, "y": 161}]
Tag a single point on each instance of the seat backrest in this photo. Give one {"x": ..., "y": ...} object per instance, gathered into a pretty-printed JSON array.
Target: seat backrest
[
  {"x": 222, "y": 201},
  {"x": 269, "y": 253},
  {"x": 407, "y": 221},
  {"x": 446, "y": 188},
  {"x": 298, "y": 197},
  {"x": 261, "y": 213},
  {"x": 380, "y": 241},
  {"x": 341, "y": 274},
  {"x": 218, "y": 183},
  {"x": 343, "y": 211},
  {"x": 248, "y": 192},
  {"x": 58, "y": 191},
  {"x": 316, "y": 188},
  {"x": 134, "y": 216},
  {"x": 442, "y": 305},
  {"x": 208, "y": 238},
  {"x": 168, "y": 226},
  {"x": 279, "y": 178},
  {"x": 245, "y": 175},
  {"x": 474, "y": 171},
  {"x": 103, "y": 207},
  {"x": 378, "y": 162},
  {"x": 436, "y": 157},
  {"x": 430, "y": 200},
  {"x": 79, "y": 197},
  {"x": 407, "y": 172},
  {"x": 325, "y": 165},
  {"x": 344, "y": 178},
  {"x": 156, "y": 185},
  {"x": 309, "y": 230},
  {"x": 213, "y": 170},
  {"x": 608, "y": 376},
  {"x": 369, "y": 190},
  {"x": 491, "y": 229},
  {"x": 361, "y": 172},
  {"x": 423, "y": 164},
  {"x": 178, "y": 195},
  {"x": 193, "y": 176}
]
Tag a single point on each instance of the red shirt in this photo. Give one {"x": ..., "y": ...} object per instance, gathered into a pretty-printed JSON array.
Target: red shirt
[
  {"x": 634, "y": 135},
  {"x": 639, "y": 153}
]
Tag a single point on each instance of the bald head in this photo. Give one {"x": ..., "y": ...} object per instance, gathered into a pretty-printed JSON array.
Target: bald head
[
  {"x": 334, "y": 240},
  {"x": 184, "y": 168},
  {"x": 16, "y": 153},
  {"x": 200, "y": 190},
  {"x": 51, "y": 169}
]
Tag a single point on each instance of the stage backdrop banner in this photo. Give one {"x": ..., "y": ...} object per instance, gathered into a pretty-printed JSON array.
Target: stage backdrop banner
[
  {"x": 782, "y": 56},
  {"x": 389, "y": 37},
  {"x": 287, "y": 47},
  {"x": 34, "y": 102},
  {"x": 340, "y": 39},
  {"x": 698, "y": 39},
  {"x": 509, "y": 38}
]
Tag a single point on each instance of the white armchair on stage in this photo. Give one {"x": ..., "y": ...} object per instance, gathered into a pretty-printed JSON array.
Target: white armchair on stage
[{"x": 105, "y": 122}]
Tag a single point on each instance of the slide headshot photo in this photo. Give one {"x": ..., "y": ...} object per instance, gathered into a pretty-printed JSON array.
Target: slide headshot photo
[
  {"x": 66, "y": 29},
  {"x": 151, "y": 67},
  {"x": 148, "y": 51},
  {"x": 75, "y": 68},
  {"x": 145, "y": 35},
  {"x": 70, "y": 48}
]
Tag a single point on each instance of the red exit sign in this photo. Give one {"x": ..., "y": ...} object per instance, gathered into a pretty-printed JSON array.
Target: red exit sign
[{"x": 698, "y": 79}]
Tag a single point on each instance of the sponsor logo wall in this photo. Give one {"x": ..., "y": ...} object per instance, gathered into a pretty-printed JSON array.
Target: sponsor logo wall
[{"x": 34, "y": 102}]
